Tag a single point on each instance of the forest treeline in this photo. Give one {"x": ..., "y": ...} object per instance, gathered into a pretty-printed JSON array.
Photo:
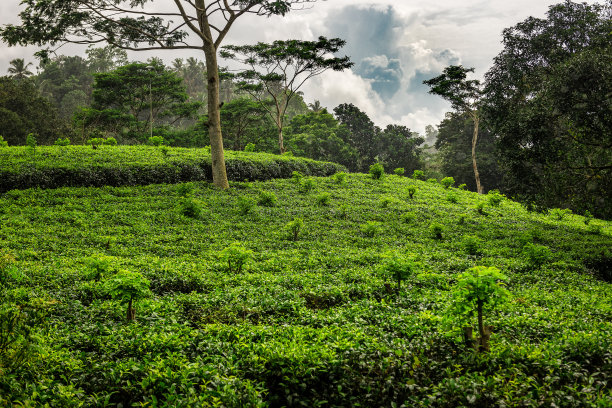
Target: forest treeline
[{"x": 545, "y": 111}]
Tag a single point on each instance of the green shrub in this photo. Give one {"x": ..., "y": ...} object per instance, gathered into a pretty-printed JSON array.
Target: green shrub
[
  {"x": 436, "y": 230},
  {"x": 559, "y": 213},
  {"x": 370, "y": 229},
  {"x": 297, "y": 177},
  {"x": 588, "y": 217},
  {"x": 246, "y": 205},
  {"x": 386, "y": 201},
  {"x": 432, "y": 180},
  {"x": 6, "y": 268},
  {"x": 399, "y": 171},
  {"x": 3, "y": 143},
  {"x": 294, "y": 228},
  {"x": 536, "y": 255},
  {"x": 185, "y": 189},
  {"x": 110, "y": 141},
  {"x": 411, "y": 191},
  {"x": 595, "y": 229},
  {"x": 236, "y": 257},
  {"x": 495, "y": 198},
  {"x": 164, "y": 150},
  {"x": 400, "y": 269},
  {"x": 452, "y": 198},
  {"x": 471, "y": 244},
  {"x": 96, "y": 141},
  {"x": 418, "y": 175},
  {"x": 323, "y": 199},
  {"x": 250, "y": 147},
  {"x": 306, "y": 185},
  {"x": 267, "y": 199},
  {"x": 408, "y": 218},
  {"x": 155, "y": 141},
  {"x": 127, "y": 287},
  {"x": 340, "y": 177},
  {"x": 191, "y": 208},
  {"x": 462, "y": 186},
  {"x": 31, "y": 140},
  {"x": 477, "y": 290},
  {"x": 98, "y": 268},
  {"x": 447, "y": 182},
  {"x": 377, "y": 171},
  {"x": 480, "y": 208},
  {"x": 62, "y": 142}
]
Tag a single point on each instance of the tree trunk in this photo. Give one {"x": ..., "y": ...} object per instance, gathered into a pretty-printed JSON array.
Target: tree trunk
[
  {"x": 479, "y": 186},
  {"x": 131, "y": 314},
  {"x": 281, "y": 143},
  {"x": 214, "y": 118}
]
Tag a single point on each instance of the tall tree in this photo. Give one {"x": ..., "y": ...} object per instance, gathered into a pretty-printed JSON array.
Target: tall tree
[
  {"x": 132, "y": 25},
  {"x": 278, "y": 70},
  {"x": 361, "y": 134},
  {"x": 464, "y": 96},
  {"x": 548, "y": 100},
  {"x": 19, "y": 69}
]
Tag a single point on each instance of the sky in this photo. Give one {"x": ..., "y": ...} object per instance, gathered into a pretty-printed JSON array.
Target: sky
[{"x": 394, "y": 44}]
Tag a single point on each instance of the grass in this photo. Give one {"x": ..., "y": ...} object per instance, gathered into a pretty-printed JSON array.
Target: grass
[{"x": 309, "y": 321}]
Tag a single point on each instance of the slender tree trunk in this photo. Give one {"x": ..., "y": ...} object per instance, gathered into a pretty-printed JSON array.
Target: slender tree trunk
[
  {"x": 480, "y": 324},
  {"x": 281, "y": 143},
  {"x": 131, "y": 315},
  {"x": 479, "y": 186},
  {"x": 214, "y": 119}
]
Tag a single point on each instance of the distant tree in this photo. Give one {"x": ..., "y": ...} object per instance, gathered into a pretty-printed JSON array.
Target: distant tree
[
  {"x": 318, "y": 136},
  {"x": 19, "y": 69},
  {"x": 242, "y": 122},
  {"x": 454, "y": 149},
  {"x": 464, "y": 96},
  {"x": 278, "y": 70},
  {"x": 548, "y": 100},
  {"x": 132, "y": 25},
  {"x": 397, "y": 146},
  {"x": 105, "y": 59},
  {"x": 361, "y": 134},
  {"x": 138, "y": 96},
  {"x": 316, "y": 106},
  {"x": 24, "y": 110}
]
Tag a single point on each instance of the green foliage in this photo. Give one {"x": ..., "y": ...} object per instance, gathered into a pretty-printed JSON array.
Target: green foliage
[
  {"x": 249, "y": 147},
  {"x": 306, "y": 185},
  {"x": 471, "y": 244},
  {"x": 340, "y": 177},
  {"x": 267, "y": 199},
  {"x": 377, "y": 171},
  {"x": 31, "y": 140},
  {"x": 370, "y": 229},
  {"x": 462, "y": 186},
  {"x": 236, "y": 257},
  {"x": 138, "y": 165},
  {"x": 399, "y": 171},
  {"x": 536, "y": 255},
  {"x": 559, "y": 213},
  {"x": 411, "y": 191},
  {"x": 447, "y": 182},
  {"x": 155, "y": 141},
  {"x": 98, "y": 267},
  {"x": 495, "y": 198},
  {"x": 110, "y": 141},
  {"x": 436, "y": 230},
  {"x": 323, "y": 199},
  {"x": 432, "y": 180},
  {"x": 246, "y": 205},
  {"x": 3, "y": 143},
  {"x": 452, "y": 198},
  {"x": 294, "y": 228},
  {"x": 297, "y": 177},
  {"x": 62, "y": 142},
  {"x": 408, "y": 218},
  {"x": 418, "y": 175},
  {"x": 480, "y": 208},
  {"x": 191, "y": 208},
  {"x": 588, "y": 217},
  {"x": 127, "y": 287},
  {"x": 386, "y": 201},
  {"x": 185, "y": 189},
  {"x": 400, "y": 268}
]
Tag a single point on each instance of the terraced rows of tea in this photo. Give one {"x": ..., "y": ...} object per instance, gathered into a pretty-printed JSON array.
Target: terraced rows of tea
[{"x": 285, "y": 293}]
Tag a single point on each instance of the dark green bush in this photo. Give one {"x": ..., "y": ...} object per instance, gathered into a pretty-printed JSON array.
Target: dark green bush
[
  {"x": 377, "y": 171},
  {"x": 399, "y": 171},
  {"x": 447, "y": 182},
  {"x": 267, "y": 199},
  {"x": 418, "y": 175}
]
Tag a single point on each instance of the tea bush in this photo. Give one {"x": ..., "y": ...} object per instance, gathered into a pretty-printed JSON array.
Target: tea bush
[
  {"x": 267, "y": 199},
  {"x": 377, "y": 171},
  {"x": 246, "y": 205},
  {"x": 399, "y": 171},
  {"x": 340, "y": 177},
  {"x": 418, "y": 175},
  {"x": 294, "y": 228},
  {"x": 370, "y": 229},
  {"x": 236, "y": 256},
  {"x": 411, "y": 191},
  {"x": 436, "y": 230},
  {"x": 447, "y": 182}
]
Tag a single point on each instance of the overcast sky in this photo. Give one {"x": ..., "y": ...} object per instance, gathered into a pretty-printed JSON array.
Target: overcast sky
[{"x": 395, "y": 45}]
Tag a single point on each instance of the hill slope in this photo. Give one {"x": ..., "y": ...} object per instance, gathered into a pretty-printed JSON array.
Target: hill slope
[{"x": 305, "y": 322}]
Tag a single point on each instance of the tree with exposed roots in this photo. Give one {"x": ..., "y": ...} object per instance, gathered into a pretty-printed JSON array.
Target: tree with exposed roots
[{"x": 133, "y": 25}]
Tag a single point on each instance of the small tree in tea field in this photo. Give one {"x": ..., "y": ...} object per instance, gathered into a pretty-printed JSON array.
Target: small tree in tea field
[
  {"x": 478, "y": 289},
  {"x": 126, "y": 287},
  {"x": 400, "y": 269},
  {"x": 293, "y": 229},
  {"x": 236, "y": 257}
]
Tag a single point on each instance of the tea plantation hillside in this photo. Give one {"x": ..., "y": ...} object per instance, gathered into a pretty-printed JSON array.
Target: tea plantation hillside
[
  {"x": 283, "y": 293},
  {"x": 83, "y": 166}
]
